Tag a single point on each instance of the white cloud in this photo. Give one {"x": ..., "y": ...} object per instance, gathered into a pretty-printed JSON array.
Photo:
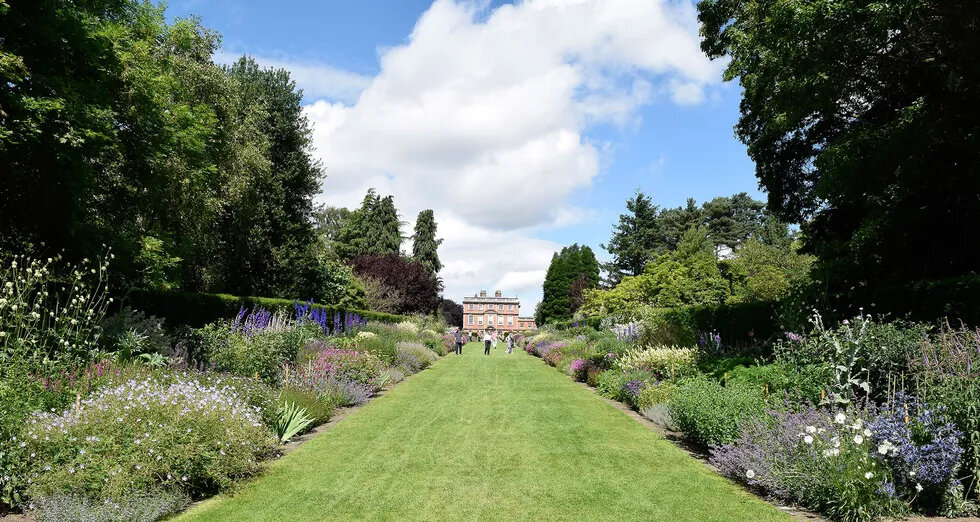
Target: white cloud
[
  {"x": 318, "y": 80},
  {"x": 482, "y": 116}
]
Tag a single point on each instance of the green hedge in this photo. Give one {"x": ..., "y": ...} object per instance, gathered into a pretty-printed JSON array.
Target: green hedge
[
  {"x": 196, "y": 309},
  {"x": 593, "y": 322},
  {"x": 738, "y": 324},
  {"x": 955, "y": 298}
]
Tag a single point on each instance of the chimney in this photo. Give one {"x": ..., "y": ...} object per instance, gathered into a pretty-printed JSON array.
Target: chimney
[
  {"x": 483, "y": 293},
  {"x": 498, "y": 293}
]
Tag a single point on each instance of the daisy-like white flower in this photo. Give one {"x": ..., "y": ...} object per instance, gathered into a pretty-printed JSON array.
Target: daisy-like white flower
[
  {"x": 808, "y": 439},
  {"x": 811, "y": 429},
  {"x": 858, "y": 439},
  {"x": 918, "y": 487},
  {"x": 869, "y": 475},
  {"x": 750, "y": 473}
]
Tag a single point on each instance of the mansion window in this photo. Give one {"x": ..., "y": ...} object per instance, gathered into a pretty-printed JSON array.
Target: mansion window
[
  {"x": 479, "y": 320},
  {"x": 510, "y": 321},
  {"x": 471, "y": 319}
]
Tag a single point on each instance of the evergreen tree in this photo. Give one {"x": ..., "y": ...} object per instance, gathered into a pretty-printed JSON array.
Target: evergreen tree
[
  {"x": 373, "y": 229},
  {"x": 732, "y": 220},
  {"x": 425, "y": 246},
  {"x": 636, "y": 238},
  {"x": 571, "y": 272}
]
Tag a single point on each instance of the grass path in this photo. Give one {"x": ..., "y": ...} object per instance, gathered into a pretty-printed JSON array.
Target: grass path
[{"x": 487, "y": 438}]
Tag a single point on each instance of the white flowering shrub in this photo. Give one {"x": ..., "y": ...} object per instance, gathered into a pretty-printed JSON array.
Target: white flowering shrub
[
  {"x": 145, "y": 435},
  {"x": 664, "y": 362}
]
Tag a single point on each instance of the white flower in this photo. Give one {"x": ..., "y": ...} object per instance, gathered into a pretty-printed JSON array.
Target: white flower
[
  {"x": 858, "y": 439},
  {"x": 918, "y": 487},
  {"x": 885, "y": 447},
  {"x": 868, "y": 475},
  {"x": 858, "y": 424},
  {"x": 912, "y": 473},
  {"x": 749, "y": 473},
  {"x": 867, "y": 432},
  {"x": 808, "y": 439},
  {"x": 811, "y": 429}
]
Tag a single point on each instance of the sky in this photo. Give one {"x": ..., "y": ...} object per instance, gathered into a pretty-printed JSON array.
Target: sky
[{"x": 525, "y": 126}]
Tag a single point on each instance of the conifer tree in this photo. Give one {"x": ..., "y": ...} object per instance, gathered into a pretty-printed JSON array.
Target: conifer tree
[{"x": 425, "y": 246}]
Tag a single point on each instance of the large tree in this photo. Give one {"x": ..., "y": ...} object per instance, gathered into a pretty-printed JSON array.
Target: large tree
[
  {"x": 572, "y": 271},
  {"x": 635, "y": 239},
  {"x": 732, "y": 220},
  {"x": 425, "y": 246},
  {"x": 863, "y": 119},
  {"x": 372, "y": 229},
  {"x": 417, "y": 289}
]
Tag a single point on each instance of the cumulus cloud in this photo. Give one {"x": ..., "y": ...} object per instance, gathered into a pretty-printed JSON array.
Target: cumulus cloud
[{"x": 483, "y": 116}]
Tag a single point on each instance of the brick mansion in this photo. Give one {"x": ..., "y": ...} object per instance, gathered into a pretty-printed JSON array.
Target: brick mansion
[{"x": 502, "y": 313}]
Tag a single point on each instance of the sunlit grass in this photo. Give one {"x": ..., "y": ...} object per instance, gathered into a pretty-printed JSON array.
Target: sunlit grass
[{"x": 502, "y": 437}]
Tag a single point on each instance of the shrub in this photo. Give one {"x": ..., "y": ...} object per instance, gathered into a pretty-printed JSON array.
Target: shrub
[
  {"x": 413, "y": 357},
  {"x": 809, "y": 457},
  {"x": 622, "y": 386},
  {"x": 126, "y": 322},
  {"x": 709, "y": 413},
  {"x": 798, "y": 384},
  {"x": 381, "y": 346},
  {"x": 552, "y": 353},
  {"x": 138, "y": 507},
  {"x": 578, "y": 367},
  {"x": 344, "y": 365},
  {"x": 144, "y": 435},
  {"x": 263, "y": 352},
  {"x": 654, "y": 394},
  {"x": 319, "y": 408},
  {"x": 662, "y": 362}
]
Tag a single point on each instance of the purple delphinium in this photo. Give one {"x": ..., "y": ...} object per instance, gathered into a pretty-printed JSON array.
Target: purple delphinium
[
  {"x": 251, "y": 323},
  {"x": 918, "y": 443}
]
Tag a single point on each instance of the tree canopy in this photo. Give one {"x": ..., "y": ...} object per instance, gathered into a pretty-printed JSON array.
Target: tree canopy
[
  {"x": 572, "y": 271},
  {"x": 862, "y": 119},
  {"x": 425, "y": 246}
]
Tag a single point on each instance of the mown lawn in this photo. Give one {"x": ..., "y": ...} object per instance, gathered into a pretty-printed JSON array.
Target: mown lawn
[{"x": 495, "y": 438}]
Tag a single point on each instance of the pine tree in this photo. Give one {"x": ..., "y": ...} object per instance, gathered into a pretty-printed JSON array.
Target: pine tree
[
  {"x": 636, "y": 238},
  {"x": 572, "y": 271},
  {"x": 372, "y": 229},
  {"x": 425, "y": 246}
]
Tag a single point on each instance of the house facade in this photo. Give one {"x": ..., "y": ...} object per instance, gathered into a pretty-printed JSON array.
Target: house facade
[{"x": 481, "y": 311}]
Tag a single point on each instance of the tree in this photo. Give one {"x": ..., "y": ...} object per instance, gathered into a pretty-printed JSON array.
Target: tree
[
  {"x": 452, "y": 313},
  {"x": 863, "y": 121},
  {"x": 327, "y": 223},
  {"x": 572, "y": 271},
  {"x": 635, "y": 239},
  {"x": 732, "y": 220},
  {"x": 766, "y": 272},
  {"x": 416, "y": 288},
  {"x": 678, "y": 220},
  {"x": 425, "y": 246},
  {"x": 373, "y": 229}
]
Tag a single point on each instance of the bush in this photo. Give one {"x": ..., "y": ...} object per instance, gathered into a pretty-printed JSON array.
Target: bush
[
  {"x": 709, "y": 413},
  {"x": 818, "y": 461},
  {"x": 662, "y": 362},
  {"x": 138, "y": 507},
  {"x": 622, "y": 386},
  {"x": 144, "y": 435},
  {"x": 319, "y": 408},
  {"x": 122, "y": 325},
  {"x": 659, "y": 393},
  {"x": 262, "y": 353},
  {"x": 413, "y": 357},
  {"x": 345, "y": 365},
  {"x": 797, "y": 384}
]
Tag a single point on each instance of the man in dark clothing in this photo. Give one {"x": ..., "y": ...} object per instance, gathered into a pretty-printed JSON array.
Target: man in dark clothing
[
  {"x": 459, "y": 341},
  {"x": 487, "y": 340}
]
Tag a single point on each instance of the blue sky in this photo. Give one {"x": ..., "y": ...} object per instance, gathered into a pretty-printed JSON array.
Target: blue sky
[{"x": 525, "y": 128}]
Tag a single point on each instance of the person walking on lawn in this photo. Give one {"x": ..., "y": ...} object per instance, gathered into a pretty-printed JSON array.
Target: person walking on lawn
[
  {"x": 459, "y": 341},
  {"x": 494, "y": 334},
  {"x": 510, "y": 343},
  {"x": 487, "y": 339}
]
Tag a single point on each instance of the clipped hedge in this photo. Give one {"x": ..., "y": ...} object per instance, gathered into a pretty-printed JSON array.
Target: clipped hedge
[
  {"x": 197, "y": 309},
  {"x": 592, "y": 322}
]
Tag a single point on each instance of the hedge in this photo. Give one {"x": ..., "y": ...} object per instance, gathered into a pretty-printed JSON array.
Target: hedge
[
  {"x": 197, "y": 309},
  {"x": 740, "y": 324}
]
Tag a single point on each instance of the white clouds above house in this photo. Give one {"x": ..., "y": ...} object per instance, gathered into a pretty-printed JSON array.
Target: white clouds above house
[{"x": 483, "y": 117}]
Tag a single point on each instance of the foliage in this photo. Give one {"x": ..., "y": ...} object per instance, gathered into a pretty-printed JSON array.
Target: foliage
[
  {"x": 425, "y": 246},
  {"x": 654, "y": 394},
  {"x": 571, "y": 272},
  {"x": 346, "y": 365},
  {"x": 413, "y": 357},
  {"x": 798, "y": 384},
  {"x": 767, "y": 272},
  {"x": 635, "y": 238},
  {"x": 371, "y": 230},
  {"x": 137, "y": 507},
  {"x": 49, "y": 317},
  {"x": 292, "y": 420},
  {"x": 452, "y": 313},
  {"x": 318, "y": 408},
  {"x": 197, "y": 177},
  {"x": 195, "y": 309},
  {"x": 809, "y": 457},
  {"x": 709, "y": 413},
  {"x": 662, "y": 362},
  {"x": 128, "y": 322},
  {"x": 261, "y": 353},
  {"x": 143, "y": 435},
  {"x": 418, "y": 288},
  {"x": 847, "y": 120}
]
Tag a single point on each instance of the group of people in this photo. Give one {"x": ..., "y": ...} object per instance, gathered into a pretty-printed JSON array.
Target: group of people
[{"x": 490, "y": 340}]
